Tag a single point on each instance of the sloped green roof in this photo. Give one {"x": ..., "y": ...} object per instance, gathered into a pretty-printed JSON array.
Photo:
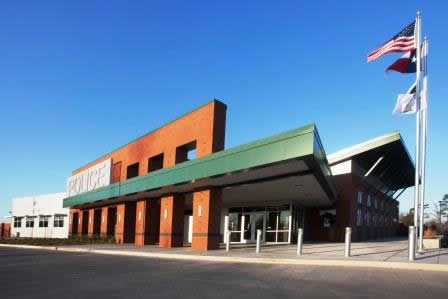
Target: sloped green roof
[{"x": 294, "y": 144}]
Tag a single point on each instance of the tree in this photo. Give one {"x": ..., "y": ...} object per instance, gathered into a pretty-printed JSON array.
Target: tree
[
  {"x": 439, "y": 213},
  {"x": 407, "y": 219}
]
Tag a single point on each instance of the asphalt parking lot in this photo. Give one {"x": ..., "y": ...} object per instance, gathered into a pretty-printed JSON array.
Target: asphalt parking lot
[{"x": 26, "y": 273}]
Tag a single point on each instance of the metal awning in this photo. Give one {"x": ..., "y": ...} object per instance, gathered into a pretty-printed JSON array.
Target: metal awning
[
  {"x": 386, "y": 156},
  {"x": 282, "y": 162}
]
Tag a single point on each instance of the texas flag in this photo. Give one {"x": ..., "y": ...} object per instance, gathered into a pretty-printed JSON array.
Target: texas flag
[{"x": 405, "y": 64}]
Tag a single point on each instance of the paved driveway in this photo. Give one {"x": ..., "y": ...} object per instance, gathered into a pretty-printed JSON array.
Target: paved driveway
[{"x": 51, "y": 274}]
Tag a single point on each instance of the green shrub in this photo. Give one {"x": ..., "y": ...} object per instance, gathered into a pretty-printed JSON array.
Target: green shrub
[{"x": 71, "y": 240}]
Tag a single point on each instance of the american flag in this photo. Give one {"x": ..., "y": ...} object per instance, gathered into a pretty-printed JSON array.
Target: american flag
[{"x": 404, "y": 41}]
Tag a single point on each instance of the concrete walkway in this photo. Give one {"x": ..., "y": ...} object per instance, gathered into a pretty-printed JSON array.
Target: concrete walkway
[{"x": 386, "y": 254}]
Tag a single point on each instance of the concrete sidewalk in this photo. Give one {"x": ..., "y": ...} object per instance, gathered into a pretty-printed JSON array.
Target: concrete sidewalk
[{"x": 388, "y": 254}]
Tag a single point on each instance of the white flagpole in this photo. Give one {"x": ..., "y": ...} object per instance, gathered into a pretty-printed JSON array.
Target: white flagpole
[
  {"x": 424, "y": 113},
  {"x": 417, "y": 135}
]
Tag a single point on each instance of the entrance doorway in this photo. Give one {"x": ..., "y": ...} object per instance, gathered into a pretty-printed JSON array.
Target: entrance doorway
[
  {"x": 244, "y": 226},
  {"x": 75, "y": 221},
  {"x": 275, "y": 223}
]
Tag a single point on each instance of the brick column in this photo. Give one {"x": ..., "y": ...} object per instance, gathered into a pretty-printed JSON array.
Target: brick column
[
  {"x": 104, "y": 221},
  {"x": 70, "y": 222},
  {"x": 119, "y": 227},
  {"x": 80, "y": 214},
  {"x": 91, "y": 221},
  {"x": 206, "y": 219},
  {"x": 171, "y": 221},
  {"x": 140, "y": 222}
]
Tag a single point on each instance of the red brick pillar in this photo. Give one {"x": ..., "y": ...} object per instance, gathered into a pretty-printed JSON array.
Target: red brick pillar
[
  {"x": 140, "y": 222},
  {"x": 80, "y": 214},
  {"x": 70, "y": 222},
  {"x": 171, "y": 221},
  {"x": 206, "y": 219},
  {"x": 91, "y": 221},
  {"x": 119, "y": 227},
  {"x": 104, "y": 221}
]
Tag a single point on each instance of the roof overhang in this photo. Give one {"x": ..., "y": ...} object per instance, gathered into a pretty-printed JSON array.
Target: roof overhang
[
  {"x": 386, "y": 157},
  {"x": 285, "y": 161}
]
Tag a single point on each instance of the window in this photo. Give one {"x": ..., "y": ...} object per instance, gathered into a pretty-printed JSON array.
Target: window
[
  {"x": 29, "y": 222},
  {"x": 58, "y": 221},
  {"x": 17, "y": 222},
  {"x": 369, "y": 200},
  {"x": 360, "y": 195},
  {"x": 155, "y": 163},
  {"x": 376, "y": 203},
  {"x": 373, "y": 220},
  {"x": 359, "y": 217},
  {"x": 43, "y": 221},
  {"x": 132, "y": 171},
  {"x": 186, "y": 152}
]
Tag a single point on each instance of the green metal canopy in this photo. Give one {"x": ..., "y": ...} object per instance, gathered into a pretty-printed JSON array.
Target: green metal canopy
[{"x": 294, "y": 153}]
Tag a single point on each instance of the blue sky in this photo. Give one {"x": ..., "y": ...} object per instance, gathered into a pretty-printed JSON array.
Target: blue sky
[{"x": 80, "y": 78}]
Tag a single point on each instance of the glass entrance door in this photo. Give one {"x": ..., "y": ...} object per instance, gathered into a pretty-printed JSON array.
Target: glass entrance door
[
  {"x": 253, "y": 222},
  {"x": 259, "y": 222}
]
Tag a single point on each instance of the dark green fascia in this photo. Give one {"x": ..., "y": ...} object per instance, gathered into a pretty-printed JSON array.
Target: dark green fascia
[
  {"x": 289, "y": 145},
  {"x": 324, "y": 176}
]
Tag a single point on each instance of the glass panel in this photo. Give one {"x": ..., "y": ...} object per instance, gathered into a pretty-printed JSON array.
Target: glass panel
[
  {"x": 270, "y": 236},
  {"x": 247, "y": 227},
  {"x": 235, "y": 237},
  {"x": 259, "y": 221},
  {"x": 234, "y": 222},
  {"x": 271, "y": 223},
  {"x": 282, "y": 237},
  {"x": 283, "y": 222}
]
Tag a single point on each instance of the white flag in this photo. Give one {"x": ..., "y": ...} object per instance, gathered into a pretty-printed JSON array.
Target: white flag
[{"x": 406, "y": 103}]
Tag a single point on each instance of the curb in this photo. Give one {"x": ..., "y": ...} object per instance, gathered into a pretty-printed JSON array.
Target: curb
[{"x": 260, "y": 260}]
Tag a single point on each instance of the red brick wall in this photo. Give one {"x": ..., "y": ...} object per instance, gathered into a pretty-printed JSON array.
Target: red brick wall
[
  {"x": 5, "y": 230},
  {"x": 205, "y": 126},
  {"x": 347, "y": 187}
]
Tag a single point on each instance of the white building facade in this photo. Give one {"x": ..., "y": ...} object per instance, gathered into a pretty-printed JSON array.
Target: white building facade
[{"x": 39, "y": 216}]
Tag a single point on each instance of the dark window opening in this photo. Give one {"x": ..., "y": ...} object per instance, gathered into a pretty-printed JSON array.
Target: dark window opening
[
  {"x": 155, "y": 163},
  {"x": 17, "y": 222},
  {"x": 186, "y": 152},
  {"x": 132, "y": 171},
  {"x": 43, "y": 221}
]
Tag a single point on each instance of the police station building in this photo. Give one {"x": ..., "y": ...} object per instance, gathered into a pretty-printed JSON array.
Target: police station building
[{"x": 178, "y": 186}]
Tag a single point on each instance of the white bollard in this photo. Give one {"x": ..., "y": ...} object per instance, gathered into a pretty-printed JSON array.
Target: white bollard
[
  {"x": 348, "y": 241},
  {"x": 258, "y": 240},
  {"x": 411, "y": 246},
  {"x": 228, "y": 240},
  {"x": 299, "y": 241}
]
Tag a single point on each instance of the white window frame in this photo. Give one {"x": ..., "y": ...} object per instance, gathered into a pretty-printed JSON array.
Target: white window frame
[
  {"x": 29, "y": 222},
  {"x": 58, "y": 219},
  {"x": 18, "y": 222},
  {"x": 44, "y": 220}
]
